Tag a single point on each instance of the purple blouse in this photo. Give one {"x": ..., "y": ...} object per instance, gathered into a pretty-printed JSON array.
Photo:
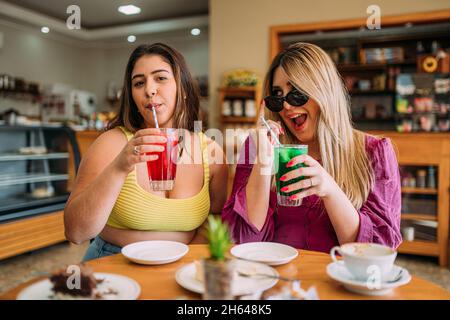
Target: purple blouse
[{"x": 308, "y": 226}]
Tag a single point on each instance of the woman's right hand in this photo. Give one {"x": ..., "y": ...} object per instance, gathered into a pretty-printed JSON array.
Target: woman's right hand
[
  {"x": 144, "y": 141},
  {"x": 264, "y": 140}
]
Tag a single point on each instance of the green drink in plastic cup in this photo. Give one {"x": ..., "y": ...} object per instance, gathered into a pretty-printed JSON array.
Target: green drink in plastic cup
[{"x": 283, "y": 154}]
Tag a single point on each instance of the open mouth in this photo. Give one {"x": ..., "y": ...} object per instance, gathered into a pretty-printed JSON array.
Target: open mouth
[
  {"x": 153, "y": 105},
  {"x": 299, "y": 120}
]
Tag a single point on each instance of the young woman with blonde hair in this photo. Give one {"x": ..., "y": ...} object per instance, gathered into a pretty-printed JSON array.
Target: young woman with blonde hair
[{"x": 352, "y": 187}]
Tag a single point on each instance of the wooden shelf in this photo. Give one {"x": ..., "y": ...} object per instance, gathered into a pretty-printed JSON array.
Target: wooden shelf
[
  {"x": 237, "y": 89},
  {"x": 373, "y": 120},
  {"x": 238, "y": 119},
  {"x": 247, "y": 93},
  {"x": 421, "y": 247},
  {"x": 419, "y": 190},
  {"x": 418, "y": 216},
  {"x": 371, "y": 92},
  {"x": 372, "y": 66}
]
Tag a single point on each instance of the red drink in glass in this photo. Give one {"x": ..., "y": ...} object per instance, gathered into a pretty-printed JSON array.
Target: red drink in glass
[{"x": 162, "y": 171}]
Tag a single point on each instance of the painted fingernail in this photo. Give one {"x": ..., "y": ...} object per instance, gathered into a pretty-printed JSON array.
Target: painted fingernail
[
  {"x": 294, "y": 197},
  {"x": 283, "y": 178},
  {"x": 284, "y": 189},
  {"x": 289, "y": 163}
]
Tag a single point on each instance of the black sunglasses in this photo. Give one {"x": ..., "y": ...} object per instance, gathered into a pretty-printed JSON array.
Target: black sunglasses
[{"x": 294, "y": 98}]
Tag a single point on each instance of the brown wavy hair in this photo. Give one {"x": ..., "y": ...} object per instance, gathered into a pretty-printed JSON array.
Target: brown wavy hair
[{"x": 187, "y": 102}]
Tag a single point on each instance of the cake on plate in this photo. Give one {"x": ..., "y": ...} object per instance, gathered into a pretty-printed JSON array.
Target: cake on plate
[{"x": 65, "y": 287}]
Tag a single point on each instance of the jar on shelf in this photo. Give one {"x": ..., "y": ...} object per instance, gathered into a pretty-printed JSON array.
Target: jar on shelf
[
  {"x": 250, "y": 110},
  {"x": 405, "y": 179},
  {"x": 412, "y": 182},
  {"x": 408, "y": 233},
  {"x": 421, "y": 178},
  {"x": 444, "y": 125},
  {"x": 226, "y": 108},
  {"x": 238, "y": 108}
]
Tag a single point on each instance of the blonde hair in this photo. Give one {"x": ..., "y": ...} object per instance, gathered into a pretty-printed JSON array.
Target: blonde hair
[{"x": 342, "y": 148}]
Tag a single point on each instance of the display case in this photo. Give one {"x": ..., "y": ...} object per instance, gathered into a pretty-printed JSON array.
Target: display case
[
  {"x": 372, "y": 61},
  {"x": 34, "y": 170}
]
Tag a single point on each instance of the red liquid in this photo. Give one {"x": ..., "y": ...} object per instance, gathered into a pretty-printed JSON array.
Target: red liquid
[{"x": 165, "y": 167}]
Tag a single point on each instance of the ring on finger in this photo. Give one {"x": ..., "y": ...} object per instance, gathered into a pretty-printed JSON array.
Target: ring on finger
[
  {"x": 310, "y": 182},
  {"x": 136, "y": 150}
]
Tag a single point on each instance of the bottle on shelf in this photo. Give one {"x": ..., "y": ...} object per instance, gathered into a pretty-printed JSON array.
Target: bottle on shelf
[
  {"x": 431, "y": 177},
  {"x": 420, "y": 49},
  {"x": 434, "y": 47}
]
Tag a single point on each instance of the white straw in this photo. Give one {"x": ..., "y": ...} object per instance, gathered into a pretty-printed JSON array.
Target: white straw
[
  {"x": 154, "y": 117},
  {"x": 270, "y": 130}
]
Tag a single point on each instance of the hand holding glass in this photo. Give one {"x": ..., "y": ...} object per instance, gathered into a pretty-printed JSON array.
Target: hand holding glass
[
  {"x": 283, "y": 155},
  {"x": 162, "y": 171}
]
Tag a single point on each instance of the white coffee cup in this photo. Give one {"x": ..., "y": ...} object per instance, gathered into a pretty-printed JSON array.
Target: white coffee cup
[{"x": 364, "y": 260}]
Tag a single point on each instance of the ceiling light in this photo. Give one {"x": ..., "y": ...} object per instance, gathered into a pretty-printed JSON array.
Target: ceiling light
[
  {"x": 129, "y": 9},
  {"x": 131, "y": 38},
  {"x": 45, "y": 30},
  {"x": 195, "y": 31}
]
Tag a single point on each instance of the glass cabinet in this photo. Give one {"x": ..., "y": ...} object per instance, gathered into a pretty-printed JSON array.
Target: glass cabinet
[
  {"x": 34, "y": 169},
  {"x": 419, "y": 203}
]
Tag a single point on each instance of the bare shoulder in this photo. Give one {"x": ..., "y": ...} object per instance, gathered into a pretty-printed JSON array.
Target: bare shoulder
[{"x": 106, "y": 147}]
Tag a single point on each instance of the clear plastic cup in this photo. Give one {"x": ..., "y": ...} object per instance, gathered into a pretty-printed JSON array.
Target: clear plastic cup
[
  {"x": 283, "y": 154},
  {"x": 162, "y": 171}
]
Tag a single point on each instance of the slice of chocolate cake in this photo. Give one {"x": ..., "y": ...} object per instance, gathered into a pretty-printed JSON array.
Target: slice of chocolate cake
[{"x": 65, "y": 286}]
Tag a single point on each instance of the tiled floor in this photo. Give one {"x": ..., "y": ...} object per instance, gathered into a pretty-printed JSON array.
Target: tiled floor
[{"x": 22, "y": 268}]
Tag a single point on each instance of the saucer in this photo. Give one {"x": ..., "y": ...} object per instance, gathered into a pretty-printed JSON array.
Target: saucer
[
  {"x": 271, "y": 253},
  {"x": 155, "y": 252},
  {"x": 338, "y": 272}
]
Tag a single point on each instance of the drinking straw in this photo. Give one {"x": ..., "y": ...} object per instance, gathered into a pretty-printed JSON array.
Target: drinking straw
[
  {"x": 154, "y": 117},
  {"x": 270, "y": 130}
]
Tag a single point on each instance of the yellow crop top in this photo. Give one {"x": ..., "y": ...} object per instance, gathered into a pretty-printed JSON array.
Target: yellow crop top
[{"x": 137, "y": 209}]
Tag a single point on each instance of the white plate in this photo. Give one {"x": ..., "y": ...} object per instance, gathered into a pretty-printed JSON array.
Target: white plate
[
  {"x": 185, "y": 277},
  {"x": 155, "y": 252},
  {"x": 270, "y": 253},
  {"x": 126, "y": 288},
  {"x": 338, "y": 272}
]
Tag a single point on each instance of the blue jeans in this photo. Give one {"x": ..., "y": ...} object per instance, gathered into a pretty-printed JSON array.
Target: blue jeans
[{"x": 100, "y": 248}]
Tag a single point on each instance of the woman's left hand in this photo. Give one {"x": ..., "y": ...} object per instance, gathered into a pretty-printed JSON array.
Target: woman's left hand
[{"x": 317, "y": 180}]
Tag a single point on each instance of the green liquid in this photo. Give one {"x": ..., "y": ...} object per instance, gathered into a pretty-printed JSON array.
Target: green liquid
[{"x": 284, "y": 154}]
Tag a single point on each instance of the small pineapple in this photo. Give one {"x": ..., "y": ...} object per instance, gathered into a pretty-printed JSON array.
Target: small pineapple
[{"x": 218, "y": 236}]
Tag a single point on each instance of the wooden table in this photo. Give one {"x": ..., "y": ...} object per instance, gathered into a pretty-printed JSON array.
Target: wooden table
[{"x": 158, "y": 282}]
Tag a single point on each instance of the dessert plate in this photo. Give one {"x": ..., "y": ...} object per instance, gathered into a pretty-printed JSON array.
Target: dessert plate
[{"x": 113, "y": 287}]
